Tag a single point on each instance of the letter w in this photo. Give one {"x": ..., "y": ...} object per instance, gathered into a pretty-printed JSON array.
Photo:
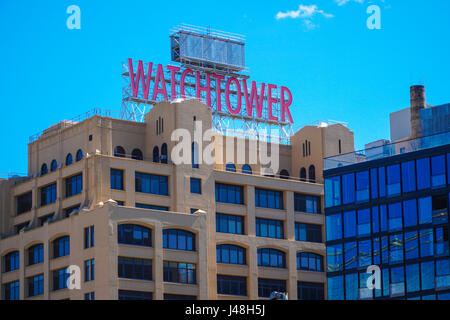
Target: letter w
[
  {"x": 254, "y": 96},
  {"x": 140, "y": 77}
]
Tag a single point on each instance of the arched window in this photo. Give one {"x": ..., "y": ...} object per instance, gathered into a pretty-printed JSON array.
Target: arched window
[
  {"x": 312, "y": 174},
  {"x": 44, "y": 169},
  {"x": 246, "y": 169},
  {"x": 230, "y": 167},
  {"x": 134, "y": 235},
  {"x": 194, "y": 155},
  {"x": 303, "y": 174},
  {"x": 36, "y": 254},
  {"x": 137, "y": 154},
  {"x": 53, "y": 166},
  {"x": 271, "y": 258},
  {"x": 69, "y": 159},
  {"x": 12, "y": 261},
  {"x": 284, "y": 174},
  {"x": 230, "y": 254},
  {"x": 79, "y": 156},
  {"x": 61, "y": 247},
  {"x": 119, "y": 152},
  {"x": 308, "y": 261},
  {"x": 176, "y": 239},
  {"x": 156, "y": 154},
  {"x": 164, "y": 153}
]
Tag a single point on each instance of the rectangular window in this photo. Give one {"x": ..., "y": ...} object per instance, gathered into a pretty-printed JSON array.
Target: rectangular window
[
  {"x": 116, "y": 179},
  {"x": 24, "y": 203},
  {"x": 89, "y": 296},
  {"x": 267, "y": 286},
  {"x": 410, "y": 213},
  {"x": 334, "y": 227},
  {"x": 395, "y": 216},
  {"x": 411, "y": 245},
  {"x": 397, "y": 281},
  {"x": 89, "y": 237},
  {"x": 393, "y": 180},
  {"x": 231, "y": 285},
  {"x": 348, "y": 188},
  {"x": 396, "y": 248},
  {"x": 226, "y": 223},
  {"x": 426, "y": 243},
  {"x": 365, "y": 253},
  {"x": 12, "y": 261},
  {"x": 12, "y": 291},
  {"x": 362, "y": 186},
  {"x": 364, "y": 223},
  {"x": 375, "y": 220},
  {"x": 196, "y": 186},
  {"x": 180, "y": 272},
  {"x": 36, "y": 254},
  {"x": 266, "y": 228},
  {"x": 382, "y": 181},
  {"x": 350, "y": 255},
  {"x": 336, "y": 288},
  {"x": 349, "y": 224},
  {"x": 150, "y": 183},
  {"x": 409, "y": 176},
  {"x": 135, "y": 295},
  {"x": 48, "y": 195},
  {"x": 308, "y": 232},
  {"x": 332, "y": 192},
  {"x": 307, "y": 204},
  {"x": 423, "y": 174},
  {"x": 35, "y": 286},
  {"x": 228, "y": 193},
  {"x": 134, "y": 268},
  {"x": 412, "y": 278},
  {"x": 74, "y": 185},
  {"x": 335, "y": 258},
  {"x": 374, "y": 183},
  {"x": 269, "y": 199},
  {"x": 427, "y": 275},
  {"x": 151, "y": 207},
  {"x": 89, "y": 270},
  {"x": 60, "y": 279},
  {"x": 310, "y": 291},
  {"x": 438, "y": 178}
]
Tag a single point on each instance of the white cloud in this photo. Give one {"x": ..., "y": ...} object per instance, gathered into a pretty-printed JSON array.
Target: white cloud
[
  {"x": 343, "y": 2},
  {"x": 303, "y": 12}
]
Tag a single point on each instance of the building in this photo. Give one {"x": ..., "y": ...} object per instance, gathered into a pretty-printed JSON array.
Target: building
[
  {"x": 388, "y": 207},
  {"x": 103, "y": 194}
]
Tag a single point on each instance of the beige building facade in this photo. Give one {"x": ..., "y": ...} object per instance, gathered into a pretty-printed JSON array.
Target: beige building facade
[{"x": 106, "y": 195}]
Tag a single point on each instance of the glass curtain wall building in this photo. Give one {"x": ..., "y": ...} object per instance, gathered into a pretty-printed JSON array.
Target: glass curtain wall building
[{"x": 392, "y": 213}]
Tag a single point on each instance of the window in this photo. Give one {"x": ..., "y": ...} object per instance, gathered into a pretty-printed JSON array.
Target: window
[
  {"x": 119, "y": 152},
  {"x": 24, "y": 203},
  {"x": 89, "y": 237},
  {"x": 393, "y": 180},
  {"x": 74, "y": 185},
  {"x": 36, "y": 254},
  {"x": 60, "y": 278},
  {"x": 269, "y": 199},
  {"x": 382, "y": 181},
  {"x": 151, "y": 207},
  {"x": 307, "y": 204},
  {"x": 443, "y": 274},
  {"x": 90, "y": 137},
  {"x": 375, "y": 220},
  {"x": 332, "y": 192},
  {"x": 266, "y": 228},
  {"x": 312, "y": 174},
  {"x": 230, "y": 254},
  {"x": 334, "y": 258},
  {"x": 425, "y": 210},
  {"x": 164, "y": 158},
  {"x": 426, "y": 243},
  {"x": 411, "y": 245},
  {"x": 308, "y": 232},
  {"x": 89, "y": 270},
  {"x": 409, "y": 176},
  {"x": 310, "y": 291},
  {"x": 149, "y": 183},
  {"x": 196, "y": 186},
  {"x": 438, "y": 178},
  {"x": 61, "y": 247},
  {"x": 427, "y": 275},
  {"x": 116, "y": 179},
  {"x": 180, "y": 272},
  {"x": 350, "y": 255},
  {"x": 423, "y": 174},
  {"x": 48, "y": 194},
  {"x": 440, "y": 206},
  {"x": 134, "y": 268},
  {"x": 441, "y": 244},
  {"x": 230, "y": 167},
  {"x": 246, "y": 169},
  {"x": 334, "y": 227},
  {"x": 135, "y": 295},
  {"x": 348, "y": 188},
  {"x": 21, "y": 226},
  {"x": 396, "y": 248},
  {"x": 79, "y": 155},
  {"x": 44, "y": 169},
  {"x": 12, "y": 261},
  {"x": 284, "y": 174},
  {"x": 156, "y": 154},
  {"x": 231, "y": 285},
  {"x": 374, "y": 183},
  {"x": 194, "y": 155},
  {"x": 134, "y": 235},
  {"x": 336, "y": 288},
  {"x": 267, "y": 286},
  {"x": 364, "y": 223},
  {"x": 303, "y": 174},
  {"x": 228, "y": 193},
  {"x": 308, "y": 261},
  {"x": 192, "y": 211},
  {"x": 365, "y": 253},
  {"x": 36, "y": 286},
  {"x": 136, "y": 154},
  {"x": 349, "y": 224},
  {"x": 395, "y": 216},
  {"x": 89, "y": 296},
  {"x": 226, "y": 223},
  {"x": 53, "y": 165},
  {"x": 12, "y": 291},
  {"x": 271, "y": 258},
  {"x": 175, "y": 297},
  {"x": 410, "y": 213},
  {"x": 176, "y": 239},
  {"x": 362, "y": 186},
  {"x": 397, "y": 281}
]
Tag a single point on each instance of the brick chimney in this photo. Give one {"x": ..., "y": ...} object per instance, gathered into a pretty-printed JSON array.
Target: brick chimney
[{"x": 418, "y": 102}]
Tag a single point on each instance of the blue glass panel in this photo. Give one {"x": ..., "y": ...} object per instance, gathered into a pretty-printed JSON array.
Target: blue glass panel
[
  {"x": 410, "y": 213},
  {"x": 350, "y": 255},
  {"x": 348, "y": 188},
  {"x": 336, "y": 288},
  {"x": 362, "y": 186},
  {"x": 334, "y": 227},
  {"x": 426, "y": 243},
  {"x": 409, "y": 176},
  {"x": 382, "y": 182},
  {"x": 427, "y": 272},
  {"x": 411, "y": 245},
  {"x": 334, "y": 258},
  {"x": 396, "y": 248},
  {"x": 393, "y": 180},
  {"x": 376, "y": 251},
  {"x": 349, "y": 224},
  {"x": 351, "y": 286},
  {"x": 374, "y": 183},
  {"x": 412, "y": 278},
  {"x": 397, "y": 281},
  {"x": 375, "y": 220},
  {"x": 364, "y": 222},
  {"x": 425, "y": 210},
  {"x": 365, "y": 253},
  {"x": 332, "y": 192},
  {"x": 423, "y": 174},
  {"x": 395, "y": 216},
  {"x": 443, "y": 274},
  {"x": 383, "y": 218},
  {"x": 438, "y": 178}
]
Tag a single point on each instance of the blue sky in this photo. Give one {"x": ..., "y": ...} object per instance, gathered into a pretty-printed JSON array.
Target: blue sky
[{"x": 334, "y": 65}]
